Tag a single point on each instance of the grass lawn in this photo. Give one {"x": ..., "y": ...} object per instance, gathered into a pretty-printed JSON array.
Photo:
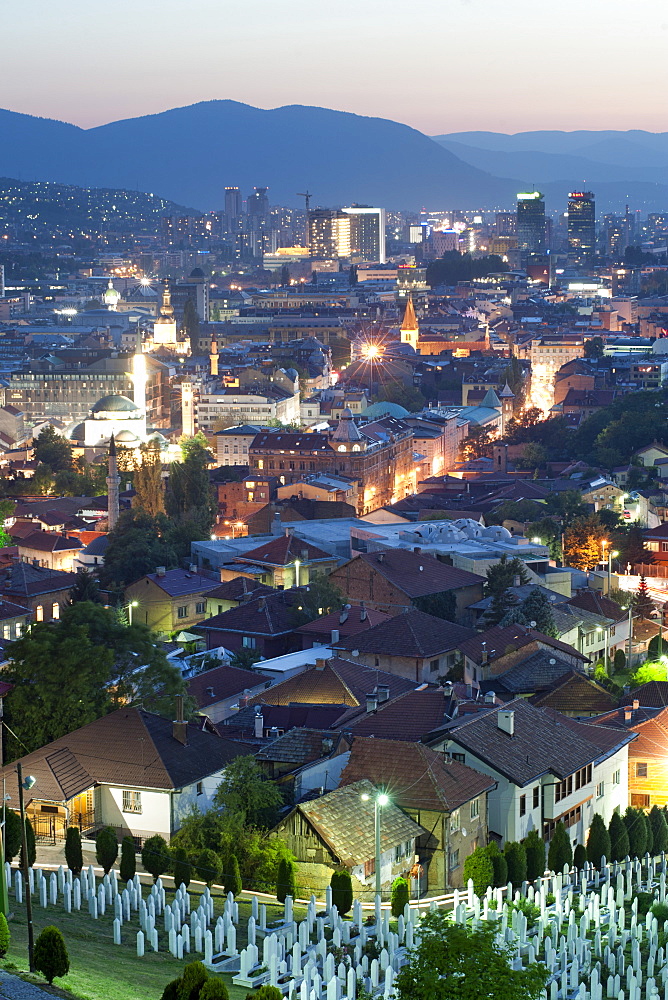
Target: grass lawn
[{"x": 100, "y": 970}]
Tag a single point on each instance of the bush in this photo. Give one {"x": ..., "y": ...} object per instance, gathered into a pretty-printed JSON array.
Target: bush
[
  {"x": 534, "y": 845},
  {"x": 560, "y": 852},
  {"x": 155, "y": 856},
  {"x": 73, "y": 851},
  {"x": 498, "y": 864},
  {"x": 479, "y": 867},
  {"x": 268, "y": 993},
  {"x": 193, "y": 979},
  {"x": 215, "y": 989},
  {"x": 635, "y": 827},
  {"x": 342, "y": 891},
  {"x": 4, "y": 935},
  {"x": 619, "y": 838},
  {"x": 598, "y": 841},
  {"x": 12, "y": 835},
  {"x": 660, "y": 911},
  {"x": 285, "y": 880},
  {"x": 51, "y": 957},
  {"x": 128, "y": 865},
  {"x": 580, "y": 856},
  {"x": 171, "y": 990},
  {"x": 657, "y": 821},
  {"x": 516, "y": 859},
  {"x": 106, "y": 848},
  {"x": 207, "y": 867},
  {"x": 233, "y": 882},
  {"x": 649, "y": 832},
  {"x": 400, "y": 896},
  {"x": 30, "y": 844},
  {"x": 181, "y": 867},
  {"x": 619, "y": 661}
]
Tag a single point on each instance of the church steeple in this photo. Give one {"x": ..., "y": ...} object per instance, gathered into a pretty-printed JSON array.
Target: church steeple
[
  {"x": 213, "y": 356},
  {"x": 113, "y": 482},
  {"x": 410, "y": 330}
]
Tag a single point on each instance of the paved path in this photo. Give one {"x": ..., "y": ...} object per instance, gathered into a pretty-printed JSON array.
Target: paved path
[{"x": 14, "y": 988}]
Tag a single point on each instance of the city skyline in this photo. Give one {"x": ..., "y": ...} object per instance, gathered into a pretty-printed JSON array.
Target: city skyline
[{"x": 74, "y": 67}]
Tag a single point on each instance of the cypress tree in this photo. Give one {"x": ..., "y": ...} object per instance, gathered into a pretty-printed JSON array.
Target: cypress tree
[
  {"x": 106, "y": 848},
  {"x": 233, "y": 880},
  {"x": 516, "y": 859},
  {"x": 30, "y": 844},
  {"x": 659, "y": 830},
  {"x": 73, "y": 851},
  {"x": 534, "y": 845},
  {"x": 400, "y": 896},
  {"x": 619, "y": 838},
  {"x": 12, "y": 835},
  {"x": 51, "y": 954},
  {"x": 285, "y": 880},
  {"x": 181, "y": 867},
  {"x": 499, "y": 864},
  {"x": 560, "y": 852},
  {"x": 635, "y": 827},
  {"x": 580, "y": 856},
  {"x": 649, "y": 832},
  {"x": 598, "y": 841},
  {"x": 479, "y": 867},
  {"x": 128, "y": 865}
]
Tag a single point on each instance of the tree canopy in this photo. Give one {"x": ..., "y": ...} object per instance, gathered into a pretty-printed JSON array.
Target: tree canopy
[
  {"x": 136, "y": 546},
  {"x": 247, "y": 793},
  {"x": 53, "y": 450}
]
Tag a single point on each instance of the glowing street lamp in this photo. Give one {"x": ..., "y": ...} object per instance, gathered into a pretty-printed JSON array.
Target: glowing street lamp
[
  {"x": 380, "y": 799},
  {"x": 25, "y": 784},
  {"x": 131, "y": 605},
  {"x": 611, "y": 555}
]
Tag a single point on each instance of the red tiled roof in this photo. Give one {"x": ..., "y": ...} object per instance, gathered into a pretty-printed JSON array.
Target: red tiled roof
[
  {"x": 223, "y": 682},
  {"x": 500, "y": 640},
  {"x": 44, "y": 541},
  {"x": 598, "y": 604},
  {"x": 347, "y": 622},
  {"x": 408, "y": 717},
  {"x": 418, "y": 574},
  {"x": 412, "y": 633},
  {"x": 573, "y": 692},
  {"x": 282, "y": 551},
  {"x": 333, "y": 682}
]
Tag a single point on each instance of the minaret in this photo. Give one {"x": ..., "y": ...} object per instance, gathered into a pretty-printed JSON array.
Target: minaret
[
  {"x": 506, "y": 396},
  {"x": 187, "y": 409},
  {"x": 113, "y": 482},
  {"x": 213, "y": 356},
  {"x": 410, "y": 330}
]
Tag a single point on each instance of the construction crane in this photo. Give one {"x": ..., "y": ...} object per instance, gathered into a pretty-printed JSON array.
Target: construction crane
[{"x": 306, "y": 195}]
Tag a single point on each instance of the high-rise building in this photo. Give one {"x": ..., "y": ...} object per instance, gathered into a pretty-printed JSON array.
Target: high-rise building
[
  {"x": 2, "y": 281},
  {"x": 581, "y": 225},
  {"x": 530, "y": 222},
  {"x": 367, "y": 233},
  {"x": 328, "y": 233},
  {"x": 258, "y": 203},
  {"x": 232, "y": 203}
]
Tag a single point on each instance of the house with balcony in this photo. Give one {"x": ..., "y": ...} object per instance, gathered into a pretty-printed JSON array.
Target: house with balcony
[{"x": 548, "y": 768}]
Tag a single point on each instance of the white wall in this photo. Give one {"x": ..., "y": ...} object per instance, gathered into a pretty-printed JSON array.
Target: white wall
[
  {"x": 154, "y": 817},
  {"x": 187, "y": 798}
]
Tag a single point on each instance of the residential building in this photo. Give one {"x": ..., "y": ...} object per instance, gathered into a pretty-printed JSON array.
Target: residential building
[
  {"x": 283, "y": 562},
  {"x": 44, "y": 592},
  {"x": 648, "y": 753},
  {"x": 329, "y": 233},
  {"x": 491, "y": 654},
  {"x": 170, "y": 600},
  {"x": 232, "y": 593},
  {"x": 14, "y": 620},
  {"x": 265, "y": 623},
  {"x": 49, "y": 550},
  {"x": 262, "y": 403},
  {"x": 367, "y": 233},
  {"x": 232, "y": 444},
  {"x": 304, "y": 760},
  {"x": 221, "y": 691},
  {"x": 350, "y": 621}
]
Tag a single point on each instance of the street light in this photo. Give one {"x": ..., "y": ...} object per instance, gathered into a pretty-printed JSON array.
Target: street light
[
  {"x": 26, "y": 784},
  {"x": 611, "y": 555},
  {"x": 380, "y": 800},
  {"x": 297, "y": 565},
  {"x": 131, "y": 605}
]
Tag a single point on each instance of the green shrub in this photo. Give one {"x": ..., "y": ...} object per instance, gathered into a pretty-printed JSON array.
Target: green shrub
[
  {"x": 207, "y": 867},
  {"x": 660, "y": 911},
  {"x": 498, "y": 864},
  {"x": 285, "y": 880},
  {"x": 171, "y": 990},
  {"x": 51, "y": 957},
  {"x": 516, "y": 859},
  {"x": 645, "y": 902},
  {"x": 598, "y": 841},
  {"x": 155, "y": 856},
  {"x": 619, "y": 838},
  {"x": 215, "y": 989},
  {"x": 4, "y": 935},
  {"x": 400, "y": 896},
  {"x": 635, "y": 827},
  {"x": 128, "y": 865},
  {"x": 478, "y": 866},
  {"x": 106, "y": 848},
  {"x": 659, "y": 830},
  {"x": 619, "y": 661},
  {"x": 534, "y": 845},
  {"x": 181, "y": 867},
  {"x": 268, "y": 993},
  {"x": 193, "y": 979},
  {"x": 73, "y": 851},
  {"x": 342, "y": 891},
  {"x": 12, "y": 835},
  {"x": 560, "y": 852},
  {"x": 30, "y": 844},
  {"x": 580, "y": 856},
  {"x": 233, "y": 882}
]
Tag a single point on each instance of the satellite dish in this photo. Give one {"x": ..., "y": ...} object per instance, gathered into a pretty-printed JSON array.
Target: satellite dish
[{"x": 464, "y": 832}]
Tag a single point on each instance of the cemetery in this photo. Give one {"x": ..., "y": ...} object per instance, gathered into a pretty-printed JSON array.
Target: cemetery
[{"x": 600, "y": 933}]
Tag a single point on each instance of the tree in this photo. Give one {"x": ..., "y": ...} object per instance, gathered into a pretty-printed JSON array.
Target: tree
[
  {"x": 85, "y": 588},
  {"x": 267, "y": 992},
  {"x": 499, "y": 864},
  {"x": 400, "y": 896},
  {"x": 619, "y": 838},
  {"x": 503, "y": 605},
  {"x": 155, "y": 856},
  {"x": 215, "y": 989},
  {"x": 245, "y": 658},
  {"x": 320, "y": 597},
  {"x": 478, "y": 444},
  {"x": 598, "y": 841},
  {"x": 285, "y": 880},
  {"x": 193, "y": 979},
  {"x": 560, "y": 852},
  {"x": 233, "y": 882},
  {"x": 443, "y": 605},
  {"x": 516, "y": 860},
  {"x": 455, "y": 962},
  {"x": 30, "y": 845},
  {"x": 643, "y": 605},
  {"x": 593, "y": 348},
  {"x": 247, "y": 792},
  {"x": 147, "y": 480},
  {"x": 190, "y": 325},
  {"x": 51, "y": 956},
  {"x": 342, "y": 891},
  {"x": 128, "y": 859},
  {"x": 106, "y": 848},
  {"x": 568, "y": 506},
  {"x": 11, "y": 834},
  {"x": 136, "y": 546},
  {"x": 635, "y": 827},
  {"x": 181, "y": 867},
  {"x": 659, "y": 826},
  {"x": 53, "y": 450},
  {"x": 534, "y": 846},
  {"x": 619, "y": 661},
  {"x": 582, "y": 543},
  {"x": 208, "y": 866},
  {"x": 504, "y": 573},
  {"x": 479, "y": 867},
  {"x": 73, "y": 851},
  {"x": 649, "y": 831},
  {"x": 580, "y": 856},
  {"x": 5, "y": 936},
  {"x": 189, "y": 498},
  {"x": 533, "y": 456},
  {"x": 536, "y": 608}
]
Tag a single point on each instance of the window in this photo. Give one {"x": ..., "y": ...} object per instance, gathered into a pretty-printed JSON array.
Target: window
[
  {"x": 523, "y": 805},
  {"x": 131, "y": 801},
  {"x": 600, "y": 790},
  {"x": 369, "y": 868},
  {"x": 200, "y": 787},
  {"x": 200, "y": 607},
  {"x": 641, "y": 769},
  {"x": 55, "y": 610},
  {"x": 459, "y": 756},
  {"x": 433, "y": 665},
  {"x": 617, "y": 777},
  {"x": 639, "y": 801},
  {"x": 182, "y": 612},
  {"x": 475, "y": 808},
  {"x": 398, "y": 853},
  {"x": 6, "y": 632},
  {"x": 454, "y": 860},
  {"x": 536, "y": 797},
  {"x": 454, "y": 821},
  {"x": 248, "y": 642},
  {"x": 39, "y": 613}
]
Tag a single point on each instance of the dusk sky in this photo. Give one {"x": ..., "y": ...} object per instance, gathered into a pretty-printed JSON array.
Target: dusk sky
[{"x": 439, "y": 65}]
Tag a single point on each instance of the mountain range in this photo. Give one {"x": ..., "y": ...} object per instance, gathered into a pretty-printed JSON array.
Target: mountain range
[{"x": 189, "y": 155}]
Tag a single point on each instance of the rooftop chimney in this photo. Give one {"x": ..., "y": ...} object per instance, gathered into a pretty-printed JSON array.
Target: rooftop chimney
[
  {"x": 335, "y": 636},
  {"x": 636, "y": 705},
  {"x": 320, "y": 664},
  {"x": 371, "y": 702},
  {"x": 289, "y": 531},
  {"x": 258, "y": 723},
  {"x": 363, "y": 613},
  {"x": 489, "y": 698},
  {"x": 179, "y": 725},
  {"x": 160, "y": 570},
  {"x": 484, "y": 653},
  {"x": 417, "y": 550},
  {"x": 380, "y": 557},
  {"x": 209, "y": 692},
  {"x": 628, "y": 713},
  {"x": 505, "y": 720},
  {"x": 382, "y": 692},
  {"x": 516, "y": 581}
]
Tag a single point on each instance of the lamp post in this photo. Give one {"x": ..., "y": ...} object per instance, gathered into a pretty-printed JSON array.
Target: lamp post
[
  {"x": 297, "y": 565},
  {"x": 131, "y": 605},
  {"x": 27, "y": 785},
  {"x": 380, "y": 800},
  {"x": 611, "y": 555},
  {"x": 4, "y": 898},
  {"x": 604, "y": 542}
]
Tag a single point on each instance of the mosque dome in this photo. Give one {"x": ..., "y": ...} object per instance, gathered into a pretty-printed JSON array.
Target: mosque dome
[
  {"x": 197, "y": 272},
  {"x": 126, "y": 437},
  {"x": 115, "y": 403},
  {"x": 76, "y": 432}
]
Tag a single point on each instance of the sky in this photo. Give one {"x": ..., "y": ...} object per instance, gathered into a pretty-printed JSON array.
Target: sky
[{"x": 438, "y": 65}]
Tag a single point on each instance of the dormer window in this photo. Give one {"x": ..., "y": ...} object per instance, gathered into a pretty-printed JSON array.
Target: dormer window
[{"x": 341, "y": 447}]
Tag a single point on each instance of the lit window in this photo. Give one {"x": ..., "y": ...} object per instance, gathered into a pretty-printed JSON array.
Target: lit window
[
  {"x": 454, "y": 821},
  {"x": 55, "y": 610},
  {"x": 475, "y": 808},
  {"x": 341, "y": 447},
  {"x": 39, "y": 613},
  {"x": 131, "y": 801}
]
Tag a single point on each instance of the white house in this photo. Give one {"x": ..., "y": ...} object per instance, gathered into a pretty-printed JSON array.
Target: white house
[{"x": 547, "y": 767}]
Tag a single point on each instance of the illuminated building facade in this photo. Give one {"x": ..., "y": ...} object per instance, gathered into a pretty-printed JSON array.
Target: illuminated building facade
[
  {"x": 367, "y": 233},
  {"x": 410, "y": 331},
  {"x": 329, "y": 233},
  {"x": 581, "y": 225},
  {"x": 530, "y": 222}
]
